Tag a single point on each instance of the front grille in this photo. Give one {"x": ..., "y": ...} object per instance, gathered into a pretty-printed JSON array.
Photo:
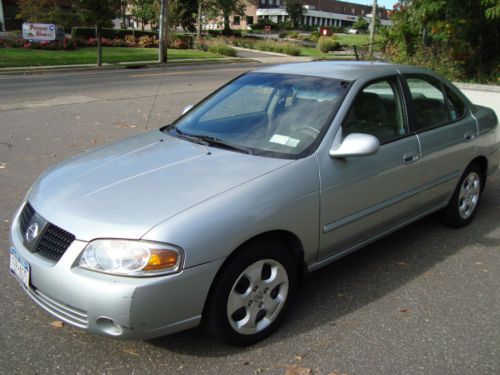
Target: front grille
[
  {"x": 26, "y": 217},
  {"x": 54, "y": 241},
  {"x": 66, "y": 313}
]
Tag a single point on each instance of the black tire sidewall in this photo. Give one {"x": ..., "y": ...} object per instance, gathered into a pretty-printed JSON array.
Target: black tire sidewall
[{"x": 215, "y": 315}]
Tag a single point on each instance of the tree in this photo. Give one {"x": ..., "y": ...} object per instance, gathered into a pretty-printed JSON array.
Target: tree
[
  {"x": 146, "y": 11},
  {"x": 492, "y": 10},
  {"x": 361, "y": 24},
  {"x": 98, "y": 13},
  {"x": 182, "y": 13},
  {"x": 459, "y": 39},
  {"x": 45, "y": 11},
  {"x": 295, "y": 9},
  {"x": 227, "y": 8}
]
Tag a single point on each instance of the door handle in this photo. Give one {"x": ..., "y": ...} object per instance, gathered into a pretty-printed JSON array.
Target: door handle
[
  {"x": 469, "y": 136},
  {"x": 410, "y": 157}
]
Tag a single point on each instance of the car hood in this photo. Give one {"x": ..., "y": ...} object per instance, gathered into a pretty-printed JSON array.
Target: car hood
[{"x": 124, "y": 189}]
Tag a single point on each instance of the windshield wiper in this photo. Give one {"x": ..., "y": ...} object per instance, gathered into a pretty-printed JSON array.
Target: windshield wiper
[
  {"x": 191, "y": 138},
  {"x": 210, "y": 140},
  {"x": 214, "y": 141}
]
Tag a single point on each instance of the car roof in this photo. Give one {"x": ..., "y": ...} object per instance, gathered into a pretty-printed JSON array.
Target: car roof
[{"x": 344, "y": 70}]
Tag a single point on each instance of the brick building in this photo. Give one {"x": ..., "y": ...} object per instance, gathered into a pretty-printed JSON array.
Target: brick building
[{"x": 316, "y": 13}]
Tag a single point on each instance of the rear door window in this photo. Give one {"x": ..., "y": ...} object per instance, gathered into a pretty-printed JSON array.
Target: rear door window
[{"x": 429, "y": 102}]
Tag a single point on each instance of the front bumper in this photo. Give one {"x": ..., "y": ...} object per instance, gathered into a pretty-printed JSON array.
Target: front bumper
[{"x": 124, "y": 307}]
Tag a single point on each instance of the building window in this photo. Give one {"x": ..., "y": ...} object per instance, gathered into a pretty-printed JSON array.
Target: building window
[
  {"x": 236, "y": 21},
  {"x": 249, "y": 20},
  {"x": 353, "y": 10}
]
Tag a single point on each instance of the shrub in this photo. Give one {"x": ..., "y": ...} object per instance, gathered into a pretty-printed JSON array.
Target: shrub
[
  {"x": 130, "y": 41},
  {"x": 148, "y": 41},
  {"x": 327, "y": 44},
  {"x": 89, "y": 32},
  {"x": 221, "y": 48},
  {"x": 180, "y": 41},
  {"x": 13, "y": 43},
  {"x": 201, "y": 44},
  {"x": 278, "y": 47},
  {"x": 219, "y": 32}
]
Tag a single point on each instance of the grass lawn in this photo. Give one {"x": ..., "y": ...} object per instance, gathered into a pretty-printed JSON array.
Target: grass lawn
[
  {"x": 16, "y": 57},
  {"x": 359, "y": 40}
]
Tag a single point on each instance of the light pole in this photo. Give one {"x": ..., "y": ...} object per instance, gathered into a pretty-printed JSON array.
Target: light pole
[
  {"x": 372, "y": 29},
  {"x": 163, "y": 45}
]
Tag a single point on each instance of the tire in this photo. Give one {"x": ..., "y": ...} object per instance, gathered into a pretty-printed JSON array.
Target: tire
[
  {"x": 251, "y": 294},
  {"x": 465, "y": 199}
]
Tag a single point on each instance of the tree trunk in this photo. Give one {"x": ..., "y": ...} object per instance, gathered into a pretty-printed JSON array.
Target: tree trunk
[
  {"x": 99, "y": 45},
  {"x": 227, "y": 28}
]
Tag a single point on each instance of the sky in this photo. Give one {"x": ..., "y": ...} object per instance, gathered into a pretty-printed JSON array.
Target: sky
[{"x": 387, "y": 3}]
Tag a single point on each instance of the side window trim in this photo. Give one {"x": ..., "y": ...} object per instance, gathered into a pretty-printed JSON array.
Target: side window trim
[
  {"x": 448, "y": 101},
  {"x": 400, "y": 93}
]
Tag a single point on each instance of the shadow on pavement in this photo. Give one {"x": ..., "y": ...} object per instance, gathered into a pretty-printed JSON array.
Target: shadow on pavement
[{"x": 361, "y": 278}]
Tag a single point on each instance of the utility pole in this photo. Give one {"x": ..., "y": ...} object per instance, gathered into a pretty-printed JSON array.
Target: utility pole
[
  {"x": 372, "y": 29},
  {"x": 198, "y": 26},
  {"x": 163, "y": 45}
]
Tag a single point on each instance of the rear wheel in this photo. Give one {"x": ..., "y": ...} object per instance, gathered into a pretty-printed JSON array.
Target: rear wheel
[
  {"x": 251, "y": 294},
  {"x": 465, "y": 200}
]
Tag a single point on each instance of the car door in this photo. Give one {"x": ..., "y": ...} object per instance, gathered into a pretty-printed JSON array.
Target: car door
[
  {"x": 362, "y": 197},
  {"x": 446, "y": 134}
]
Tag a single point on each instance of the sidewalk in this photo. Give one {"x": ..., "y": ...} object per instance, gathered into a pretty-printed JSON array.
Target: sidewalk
[
  {"x": 485, "y": 95},
  {"x": 269, "y": 57}
]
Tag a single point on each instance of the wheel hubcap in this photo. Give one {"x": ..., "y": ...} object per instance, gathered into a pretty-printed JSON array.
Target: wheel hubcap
[
  {"x": 469, "y": 195},
  {"x": 257, "y": 296}
]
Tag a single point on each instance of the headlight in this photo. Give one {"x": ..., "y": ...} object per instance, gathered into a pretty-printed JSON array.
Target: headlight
[{"x": 131, "y": 258}]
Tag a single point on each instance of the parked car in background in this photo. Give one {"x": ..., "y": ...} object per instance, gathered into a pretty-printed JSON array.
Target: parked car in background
[
  {"x": 215, "y": 218},
  {"x": 352, "y": 31}
]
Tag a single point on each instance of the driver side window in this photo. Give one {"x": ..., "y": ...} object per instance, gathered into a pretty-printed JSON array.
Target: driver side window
[{"x": 377, "y": 110}]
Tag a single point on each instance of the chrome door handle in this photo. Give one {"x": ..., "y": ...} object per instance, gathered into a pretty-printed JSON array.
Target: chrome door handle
[{"x": 410, "y": 157}]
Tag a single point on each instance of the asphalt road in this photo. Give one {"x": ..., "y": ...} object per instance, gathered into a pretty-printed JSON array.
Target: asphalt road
[{"x": 425, "y": 300}]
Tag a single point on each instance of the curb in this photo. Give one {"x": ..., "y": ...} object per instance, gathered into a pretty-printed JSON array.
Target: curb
[{"x": 122, "y": 65}]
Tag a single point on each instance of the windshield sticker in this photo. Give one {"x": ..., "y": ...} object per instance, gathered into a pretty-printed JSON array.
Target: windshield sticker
[{"x": 284, "y": 140}]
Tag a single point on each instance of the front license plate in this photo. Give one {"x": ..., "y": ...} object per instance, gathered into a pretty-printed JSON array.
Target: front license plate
[{"x": 20, "y": 267}]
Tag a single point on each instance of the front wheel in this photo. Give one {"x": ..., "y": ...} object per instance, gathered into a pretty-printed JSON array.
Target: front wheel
[
  {"x": 251, "y": 294},
  {"x": 465, "y": 200}
]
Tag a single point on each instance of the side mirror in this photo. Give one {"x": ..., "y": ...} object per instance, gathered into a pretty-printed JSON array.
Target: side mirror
[
  {"x": 187, "y": 108},
  {"x": 356, "y": 144}
]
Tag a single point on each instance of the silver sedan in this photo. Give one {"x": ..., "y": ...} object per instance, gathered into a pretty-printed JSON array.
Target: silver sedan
[{"x": 215, "y": 218}]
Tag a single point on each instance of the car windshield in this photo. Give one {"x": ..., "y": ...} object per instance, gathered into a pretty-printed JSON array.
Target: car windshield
[{"x": 278, "y": 115}]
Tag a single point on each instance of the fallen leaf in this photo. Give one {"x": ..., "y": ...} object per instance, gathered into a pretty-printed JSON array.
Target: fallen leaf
[
  {"x": 131, "y": 352},
  {"x": 299, "y": 357},
  {"x": 57, "y": 324},
  {"x": 403, "y": 310},
  {"x": 295, "y": 370},
  {"x": 94, "y": 141}
]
